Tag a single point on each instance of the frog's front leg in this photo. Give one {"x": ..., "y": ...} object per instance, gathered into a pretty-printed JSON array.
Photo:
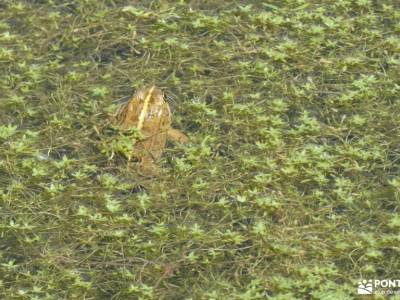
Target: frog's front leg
[
  {"x": 147, "y": 166},
  {"x": 177, "y": 136}
]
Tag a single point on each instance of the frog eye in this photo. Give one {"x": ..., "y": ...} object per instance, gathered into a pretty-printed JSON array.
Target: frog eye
[
  {"x": 158, "y": 95},
  {"x": 140, "y": 94}
]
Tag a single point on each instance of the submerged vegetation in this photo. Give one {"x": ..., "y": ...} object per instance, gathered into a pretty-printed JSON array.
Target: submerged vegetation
[{"x": 289, "y": 188}]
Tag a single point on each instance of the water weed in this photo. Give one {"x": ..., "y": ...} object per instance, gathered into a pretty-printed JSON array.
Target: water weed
[{"x": 289, "y": 188}]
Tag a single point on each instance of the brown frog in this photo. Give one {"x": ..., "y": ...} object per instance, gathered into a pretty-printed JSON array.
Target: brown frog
[{"x": 150, "y": 113}]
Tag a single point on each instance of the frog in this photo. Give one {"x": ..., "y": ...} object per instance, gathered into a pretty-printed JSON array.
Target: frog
[{"x": 148, "y": 112}]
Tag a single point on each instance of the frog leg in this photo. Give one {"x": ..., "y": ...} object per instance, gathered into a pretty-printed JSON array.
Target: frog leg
[
  {"x": 147, "y": 166},
  {"x": 177, "y": 136}
]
